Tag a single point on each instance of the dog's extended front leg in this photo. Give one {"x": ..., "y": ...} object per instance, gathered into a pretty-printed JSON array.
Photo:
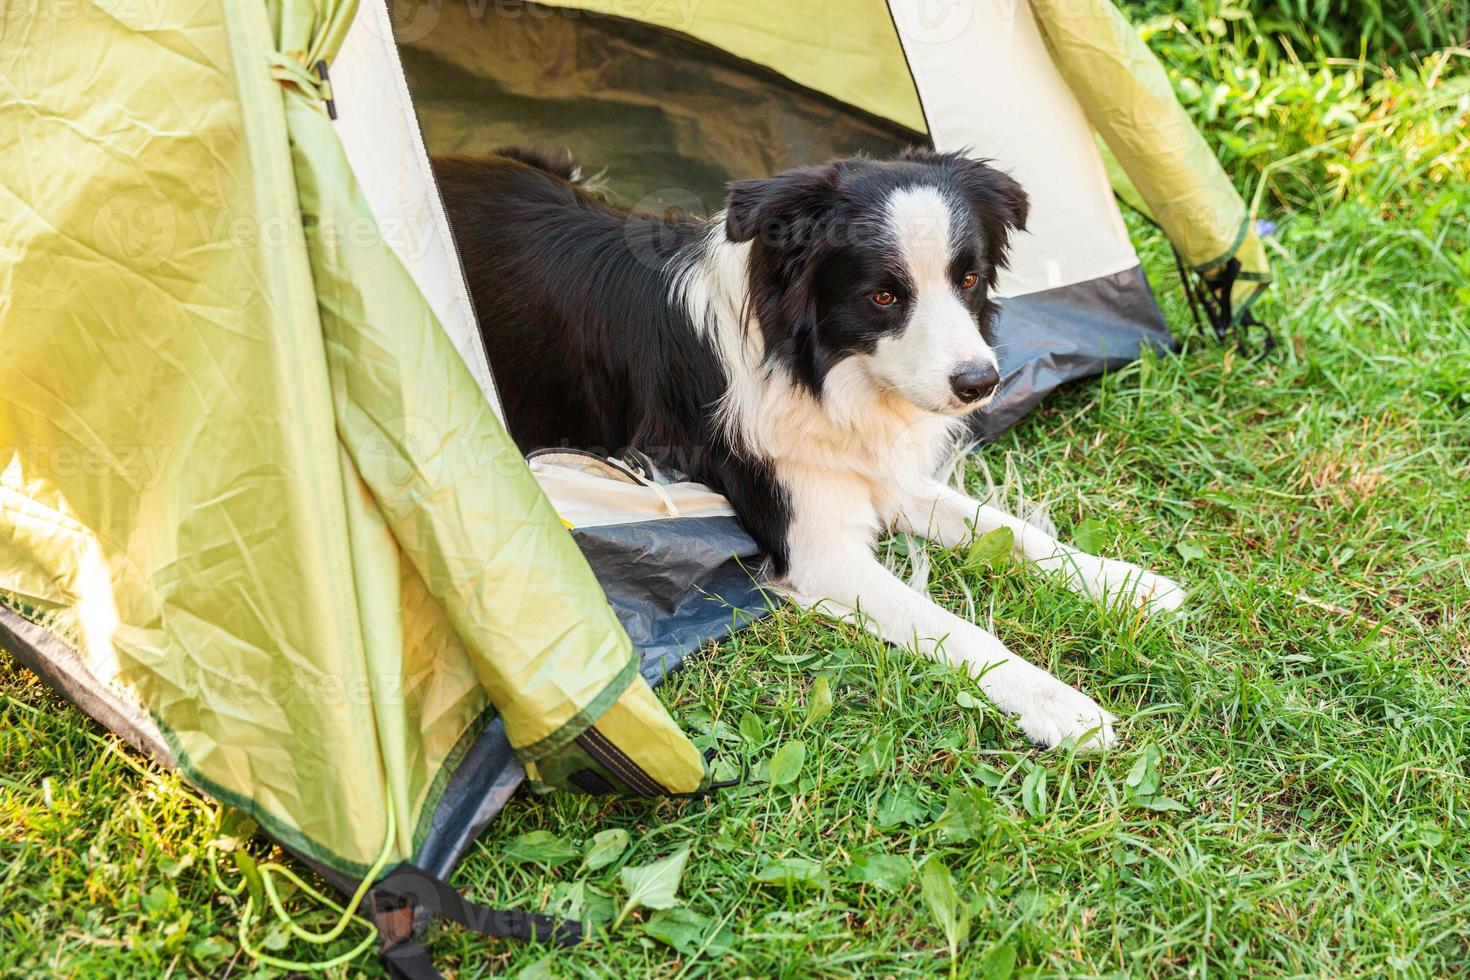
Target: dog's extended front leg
[
  {"x": 950, "y": 518},
  {"x": 847, "y": 574}
]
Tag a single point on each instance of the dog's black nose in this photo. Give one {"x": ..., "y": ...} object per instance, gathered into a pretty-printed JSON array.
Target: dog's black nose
[{"x": 973, "y": 380}]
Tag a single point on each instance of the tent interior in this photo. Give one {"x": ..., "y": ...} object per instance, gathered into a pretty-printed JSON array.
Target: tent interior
[{"x": 665, "y": 118}]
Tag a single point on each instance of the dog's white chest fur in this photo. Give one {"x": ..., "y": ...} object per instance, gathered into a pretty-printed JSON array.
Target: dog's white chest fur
[{"x": 860, "y": 454}]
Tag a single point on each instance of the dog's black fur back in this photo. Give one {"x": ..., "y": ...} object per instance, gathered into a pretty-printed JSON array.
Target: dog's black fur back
[
  {"x": 573, "y": 299},
  {"x": 558, "y": 163}
]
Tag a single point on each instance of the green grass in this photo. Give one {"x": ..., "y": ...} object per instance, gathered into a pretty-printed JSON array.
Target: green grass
[{"x": 1308, "y": 718}]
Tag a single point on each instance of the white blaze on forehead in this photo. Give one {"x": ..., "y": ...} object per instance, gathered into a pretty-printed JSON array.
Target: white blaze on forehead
[
  {"x": 918, "y": 220},
  {"x": 939, "y": 334}
]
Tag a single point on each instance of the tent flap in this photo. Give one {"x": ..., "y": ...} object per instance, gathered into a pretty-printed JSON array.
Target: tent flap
[
  {"x": 1172, "y": 174},
  {"x": 244, "y": 474}
]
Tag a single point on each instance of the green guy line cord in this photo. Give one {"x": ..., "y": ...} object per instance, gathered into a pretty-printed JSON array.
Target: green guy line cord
[{"x": 347, "y": 915}]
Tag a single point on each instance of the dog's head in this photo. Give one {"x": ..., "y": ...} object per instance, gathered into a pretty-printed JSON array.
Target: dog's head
[{"x": 887, "y": 265}]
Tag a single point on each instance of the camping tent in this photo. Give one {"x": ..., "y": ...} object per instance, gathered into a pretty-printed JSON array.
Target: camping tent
[{"x": 257, "y": 511}]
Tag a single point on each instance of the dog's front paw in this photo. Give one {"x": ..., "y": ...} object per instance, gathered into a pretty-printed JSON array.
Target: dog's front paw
[
  {"x": 1052, "y": 713},
  {"x": 1119, "y": 581}
]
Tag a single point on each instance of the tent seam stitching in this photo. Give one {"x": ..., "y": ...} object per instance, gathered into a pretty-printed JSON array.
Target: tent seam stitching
[
  {"x": 446, "y": 771},
  {"x": 586, "y": 717},
  {"x": 292, "y": 837},
  {"x": 1213, "y": 264}
]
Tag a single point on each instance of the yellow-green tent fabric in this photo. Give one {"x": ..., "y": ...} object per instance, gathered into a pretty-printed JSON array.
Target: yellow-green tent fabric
[{"x": 247, "y": 481}]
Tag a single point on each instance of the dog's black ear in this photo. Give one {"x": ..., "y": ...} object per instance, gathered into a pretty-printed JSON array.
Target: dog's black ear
[
  {"x": 793, "y": 328},
  {"x": 778, "y": 209},
  {"x": 998, "y": 200},
  {"x": 994, "y": 190},
  {"x": 788, "y": 219}
]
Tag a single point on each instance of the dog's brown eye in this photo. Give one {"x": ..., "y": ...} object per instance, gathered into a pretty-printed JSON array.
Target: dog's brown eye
[
  {"x": 884, "y": 298},
  {"x": 970, "y": 280}
]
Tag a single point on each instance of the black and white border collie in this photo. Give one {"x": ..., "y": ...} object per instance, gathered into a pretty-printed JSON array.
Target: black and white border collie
[{"x": 811, "y": 353}]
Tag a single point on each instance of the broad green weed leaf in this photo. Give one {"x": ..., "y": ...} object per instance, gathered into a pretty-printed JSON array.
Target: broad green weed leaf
[
  {"x": 605, "y": 848},
  {"x": 236, "y": 825},
  {"x": 1143, "y": 782},
  {"x": 1033, "y": 792},
  {"x": 900, "y": 807},
  {"x": 1143, "y": 779},
  {"x": 819, "y": 701},
  {"x": 276, "y": 939},
  {"x": 966, "y": 816},
  {"x": 211, "y": 948},
  {"x": 751, "y": 728},
  {"x": 539, "y": 970},
  {"x": 886, "y": 872},
  {"x": 1091, "y": 536},
  {"x": 246, "y": 865},
  {"x": 944, "y": 905},
  {"x": 991, "y": 549},
  {"x": 989, "y": 776},
  {"x": 654, "y": 886},
  {"x": 787, "y": 762},
  {"x": 689, "y": 932},
  {"x": 793, "y": 873},
  {"x": 540, "y": 847},
  {"x": 877, "y": 756},
  {"x": 999, "y": 962},
  {"x": 583, "y": 902}
]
